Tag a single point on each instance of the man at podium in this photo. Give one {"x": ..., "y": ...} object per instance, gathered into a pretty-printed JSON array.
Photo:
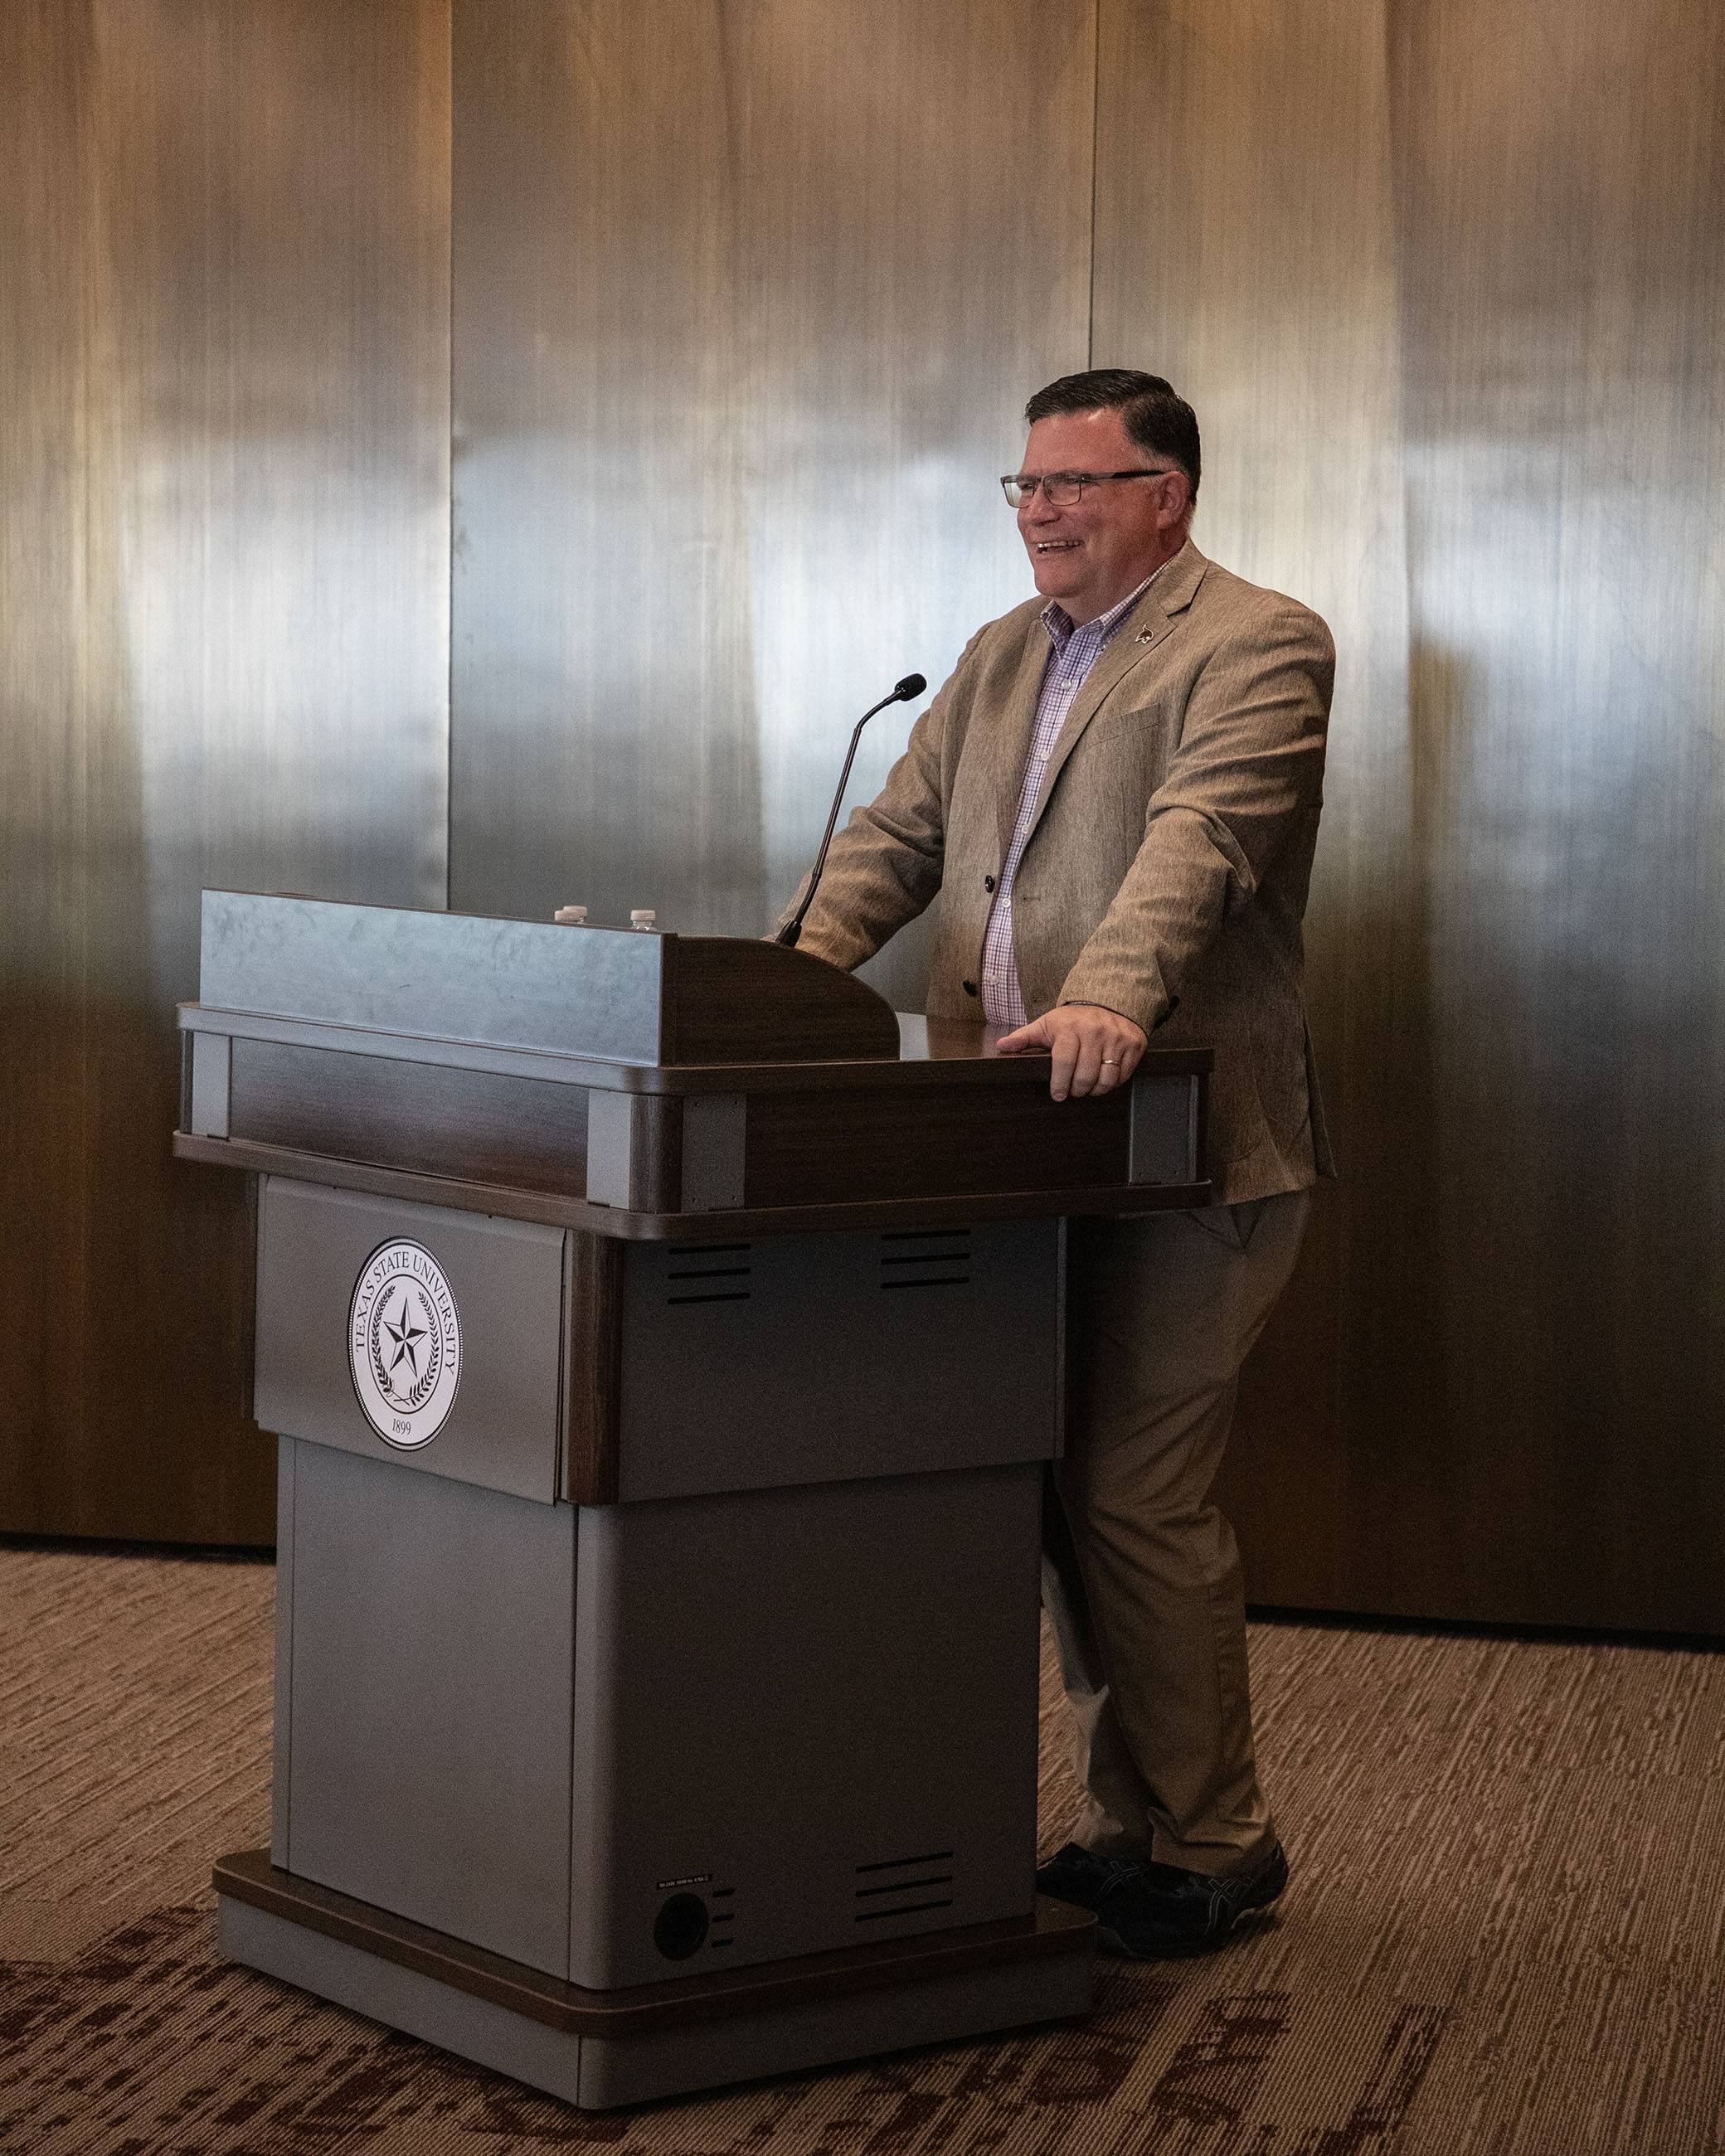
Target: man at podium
[{"x": 1116, "y": 798}]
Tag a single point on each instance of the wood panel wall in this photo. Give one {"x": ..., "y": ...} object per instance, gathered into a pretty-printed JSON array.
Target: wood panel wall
[
  {"x": 1444, "y": 283},
  {"x": 745, "y": 310},
  {"x": 740, "y": 301},
  {"x": 223, "y": 574}
]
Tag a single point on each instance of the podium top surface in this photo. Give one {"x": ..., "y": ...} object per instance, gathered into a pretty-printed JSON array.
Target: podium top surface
[{"x": 615, "y": 995}]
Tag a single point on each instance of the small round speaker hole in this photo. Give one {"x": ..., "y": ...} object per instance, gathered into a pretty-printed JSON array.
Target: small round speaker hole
[{"x": 680, "y": 1929}]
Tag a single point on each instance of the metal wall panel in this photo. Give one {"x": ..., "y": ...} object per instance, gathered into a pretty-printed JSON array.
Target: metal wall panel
[
  {"x": 1446, "y": 286},
  {"x": 223, "y": 572},
  {"x": 746, "y": 311}
]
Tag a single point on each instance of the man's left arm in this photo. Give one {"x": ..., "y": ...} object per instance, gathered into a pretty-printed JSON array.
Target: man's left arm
[{"x": 1248, "y": 771}]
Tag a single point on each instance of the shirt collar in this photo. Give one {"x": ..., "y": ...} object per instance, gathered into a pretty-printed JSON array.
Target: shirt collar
[{"x": 1058, "y": 622}]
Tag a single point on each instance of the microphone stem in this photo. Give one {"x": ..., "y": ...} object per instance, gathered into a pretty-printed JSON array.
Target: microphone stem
[{"x": 792, "y": 929}]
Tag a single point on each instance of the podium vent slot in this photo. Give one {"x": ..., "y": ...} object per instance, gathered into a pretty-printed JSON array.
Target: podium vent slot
[
  {"x": 908, "y": 1909},
  {"x": 903, "y": 1886},
  {"x": 906, "y": 1885},
  {"x": 926, "y": 1257},
  {"x": 706, "y": 1276}
]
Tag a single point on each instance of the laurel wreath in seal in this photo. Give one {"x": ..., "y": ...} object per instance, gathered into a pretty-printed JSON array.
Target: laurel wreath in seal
[{"x": 410, "y": 1401}]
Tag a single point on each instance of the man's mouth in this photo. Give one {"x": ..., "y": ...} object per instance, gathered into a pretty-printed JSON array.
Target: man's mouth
[{"x": 1055, "y": 546}]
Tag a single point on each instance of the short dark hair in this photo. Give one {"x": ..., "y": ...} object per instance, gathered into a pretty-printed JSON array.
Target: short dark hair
[{"x": 1156, "y": 418}]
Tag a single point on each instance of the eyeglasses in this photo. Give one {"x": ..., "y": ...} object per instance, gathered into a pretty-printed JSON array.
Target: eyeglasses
[{"x": 1060, "y": 489}]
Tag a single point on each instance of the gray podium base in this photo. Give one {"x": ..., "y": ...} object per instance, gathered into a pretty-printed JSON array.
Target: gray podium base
[{"x": 597, "y": 2050}]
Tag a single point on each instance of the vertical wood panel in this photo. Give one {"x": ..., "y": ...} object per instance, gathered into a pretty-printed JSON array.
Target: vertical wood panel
[
  {"x": 1444, "y": 282},
  {"x": 746, "y": 311},
  {"x": 223, "y": 567},
  {"x": 1563, "y": 300}
]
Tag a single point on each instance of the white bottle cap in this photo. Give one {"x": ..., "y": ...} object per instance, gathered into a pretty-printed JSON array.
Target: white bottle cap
[
  {"x": 641, "y": 916},
  {"x": 574, "y": 915}
]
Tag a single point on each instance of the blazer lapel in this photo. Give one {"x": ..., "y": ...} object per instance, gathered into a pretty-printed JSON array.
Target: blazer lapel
[
  {"x": 1012, "y": 737},
  {"x": 1151, "y": 620}
]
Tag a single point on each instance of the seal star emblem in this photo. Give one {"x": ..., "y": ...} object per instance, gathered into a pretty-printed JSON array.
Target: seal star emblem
[{"x": 407, "y": 1336}]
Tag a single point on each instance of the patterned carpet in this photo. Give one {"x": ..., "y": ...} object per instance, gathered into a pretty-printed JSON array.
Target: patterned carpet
[{"x": 1503, "y": 1938}]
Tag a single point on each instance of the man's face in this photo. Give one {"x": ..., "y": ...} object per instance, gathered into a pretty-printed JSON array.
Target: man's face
[{"x": 1090, "y": 553}]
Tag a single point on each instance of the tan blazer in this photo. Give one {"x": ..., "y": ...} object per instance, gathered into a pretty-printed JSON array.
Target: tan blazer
[{"x": 1166, "y": 873}]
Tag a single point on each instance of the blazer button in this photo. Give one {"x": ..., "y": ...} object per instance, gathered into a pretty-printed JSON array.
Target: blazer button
[
  {"x": 987, "y": 883},
  {"x": 970, "y": 987}
]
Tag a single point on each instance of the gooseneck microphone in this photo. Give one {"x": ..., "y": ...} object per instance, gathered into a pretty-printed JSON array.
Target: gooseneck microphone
[{"x": 913, "y": 685}]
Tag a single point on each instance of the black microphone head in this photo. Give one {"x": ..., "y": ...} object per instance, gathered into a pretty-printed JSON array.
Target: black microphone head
[{"x": 913, "y": 685}]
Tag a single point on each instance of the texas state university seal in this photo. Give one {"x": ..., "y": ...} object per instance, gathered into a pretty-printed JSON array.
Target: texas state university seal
[{"x": 404, "y": 1343}]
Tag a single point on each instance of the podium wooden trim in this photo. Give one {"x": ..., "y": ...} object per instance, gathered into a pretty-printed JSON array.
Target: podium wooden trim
[
  {"x": 1052, "y": 1928},
  {"x": 708, "y": 1151},
  {"x": 508, "y": 1202}
]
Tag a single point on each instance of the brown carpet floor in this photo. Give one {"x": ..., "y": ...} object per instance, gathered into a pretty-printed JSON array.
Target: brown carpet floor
[{"x": 1503, "y": 1936}]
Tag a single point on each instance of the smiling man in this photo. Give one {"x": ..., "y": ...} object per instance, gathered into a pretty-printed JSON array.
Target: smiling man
[{"x": 1116, "y": 799}]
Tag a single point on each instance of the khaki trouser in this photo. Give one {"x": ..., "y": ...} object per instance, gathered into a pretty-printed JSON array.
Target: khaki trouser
[{"x": 1141, "y": 1574}]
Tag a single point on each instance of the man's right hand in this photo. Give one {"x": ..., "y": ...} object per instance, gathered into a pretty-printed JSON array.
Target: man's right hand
[{"x": 1094, "y": 1049}]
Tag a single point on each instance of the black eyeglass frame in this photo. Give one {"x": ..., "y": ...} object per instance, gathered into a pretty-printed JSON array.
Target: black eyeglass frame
[{"x": 1012, "y": 482}]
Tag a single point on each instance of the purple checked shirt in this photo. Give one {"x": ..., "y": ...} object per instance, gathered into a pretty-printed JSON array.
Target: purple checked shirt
[{"x": 1072, "y": 652}]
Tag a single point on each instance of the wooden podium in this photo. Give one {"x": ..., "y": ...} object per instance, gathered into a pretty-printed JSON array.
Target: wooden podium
[{"x": 665, "y": 1342}]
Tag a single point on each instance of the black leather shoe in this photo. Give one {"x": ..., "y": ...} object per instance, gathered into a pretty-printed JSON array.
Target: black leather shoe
[{"x": 1149, "y": 1912}]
